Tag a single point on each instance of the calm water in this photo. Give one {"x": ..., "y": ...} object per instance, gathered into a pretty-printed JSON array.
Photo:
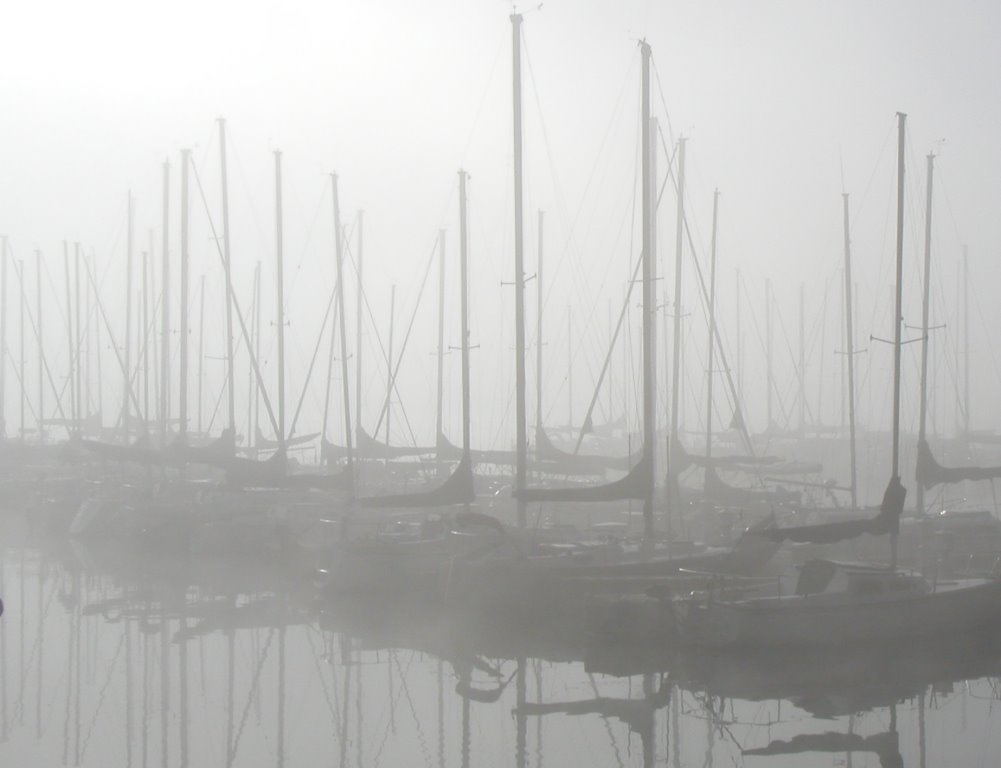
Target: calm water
[{"x": 108, "y": 659}]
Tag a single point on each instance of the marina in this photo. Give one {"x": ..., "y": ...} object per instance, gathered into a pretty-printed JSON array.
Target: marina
[{"x": 485, "y": 460}]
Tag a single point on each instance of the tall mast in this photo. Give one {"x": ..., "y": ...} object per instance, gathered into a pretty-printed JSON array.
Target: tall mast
[
  {"x": 41, "y": 349},
  {"x": 227, "y": 271},
  {"x": 676, "y": 342},
  {"x": 802, "y": 361},
  {"x": 201, "y": 349},
  {"x": 739, "y": 362},
  {"x": 850, "y": 336},
  {"x": 182, "y": 392},
  {"x": 389, "y": 371},
  {"x": 92, "y": 303},
  {"x": 339, "y": 254},
  {"x": 898, "y": 317},
  {"x": 69, "y": 335},
  {"x": 768, "y": 353},
  {"x": 164, "y": 410},
  {"x": 966, "y": 344},
  {"x": 441, "y": 336},
  {"x": 359, "y": 317},
  {"x": 712, "y": 329},
  {"x": 128, "y": 326},
  {"x": 280, "y": 286},
  {"x": 538, "y": 332},
  {"x": 521, "y": 437},
  {"x": 254, "y": 403},
  {"x": 464, "y": 309},
  {"x": 150, "y": 339},
  {"x": 3, "y": 336},
  {"x": 925, "y": 301},
  {"x": 81, "y": 408},
  {"x": 569, "y": 371},
  {"x": 143, "y": 336},
  {"x": 898, "y": 294},
  {"x": 20, "y": 363},
  {"x": 649, "y": 310}
]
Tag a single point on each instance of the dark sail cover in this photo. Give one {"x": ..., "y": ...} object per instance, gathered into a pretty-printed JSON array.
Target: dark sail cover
[
  {"x": 930, "y": 473},
  {"x": 637, "y": 484},
  {"x": 457, "y": 489},
  {"x": 720, "y": 492},
  {"x": 215, "y": 453},
  {"x": 682, "y": 460},
  {"x": 887, "y": 521},
  {"x": 263, "y": 443},
  {"x": 269, "y": 473},
  {"x": 546, "y": 450},
  {"x": 370, "y": 447}
]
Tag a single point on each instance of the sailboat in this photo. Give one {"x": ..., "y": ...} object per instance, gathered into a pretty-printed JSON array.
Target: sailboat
[{"x": 834, "y": 604}]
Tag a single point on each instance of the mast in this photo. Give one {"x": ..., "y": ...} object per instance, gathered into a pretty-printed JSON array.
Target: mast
[
  {"x": 227, "y": 271},
  {"x": 3, "y": 341},
  {"x": 81, "y": 408},
  {"x": 41, "y": 350},
  {"x": 649, "y": 310},
  {"x": 339, "y": 253},
  {"x": 128, "y": 326},
  {"x": 254, "y": 403},
  {"x": 182, "y": 393},
  {"x": 966, "y": 343},
  {"x": 142, "y": 337},
  {"x": 464, "y": 309},
  {"x": 521, "y": 460},
  {"x": 802, "y": 361},
  {"x": 164, "y": 410},
  {"x": 676, "y": 342},
  {"x": 201, "y": 349},
  {"x": 441, "y": 337},
  {"x": 69, "y": 334},
  {"x": 925, "y": 301},
  {"x": 712, "y": 330},
  {"x": 150, "y": 339},
  {"x": 280, "y": 286},
  {"x": 897, "y": 317},
  {"x": 389, "y": 372},
  {"x": 92, "y": 303},
  {"x": 20, "y": 279},
  {"x": 359, "y": 319},
  {"x": 569, "y": 372},
  {"x": 538, "y": 333},
  {"x": 768, "y": 352},
  {"x": 850, "y": 335}
]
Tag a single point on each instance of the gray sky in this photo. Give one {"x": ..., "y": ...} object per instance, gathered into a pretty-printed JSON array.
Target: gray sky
[{"x": 780, "y": 100}]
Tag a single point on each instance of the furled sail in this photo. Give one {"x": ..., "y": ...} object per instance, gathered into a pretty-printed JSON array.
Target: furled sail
[
  {"x": 682, "y": 460},
  {"x": 266, "y": 444},
  {"x": 721, "y": 492},
  {"x": 635, "y": 485},
  {"x": 887, "y": 521},
  {"x": 457, "y": 489},
  {"x": 930, "y": 473},
  {"x": 546, "y": 450}
]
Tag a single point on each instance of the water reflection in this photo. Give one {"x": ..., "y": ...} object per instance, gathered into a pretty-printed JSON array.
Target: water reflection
[{"x": 108, "y": 659}]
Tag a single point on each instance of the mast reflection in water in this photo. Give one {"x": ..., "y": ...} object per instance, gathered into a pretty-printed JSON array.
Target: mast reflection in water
[{"x": 112, "y": 661}]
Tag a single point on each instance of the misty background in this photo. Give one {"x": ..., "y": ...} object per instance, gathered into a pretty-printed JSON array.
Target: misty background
[{"x": 785, "y": 105}]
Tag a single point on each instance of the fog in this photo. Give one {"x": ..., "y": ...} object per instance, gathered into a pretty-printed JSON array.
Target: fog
[{"x": 784, "y": 109}]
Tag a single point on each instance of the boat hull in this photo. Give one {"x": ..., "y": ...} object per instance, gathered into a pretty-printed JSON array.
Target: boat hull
[{"x": 956, "y": 608}]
